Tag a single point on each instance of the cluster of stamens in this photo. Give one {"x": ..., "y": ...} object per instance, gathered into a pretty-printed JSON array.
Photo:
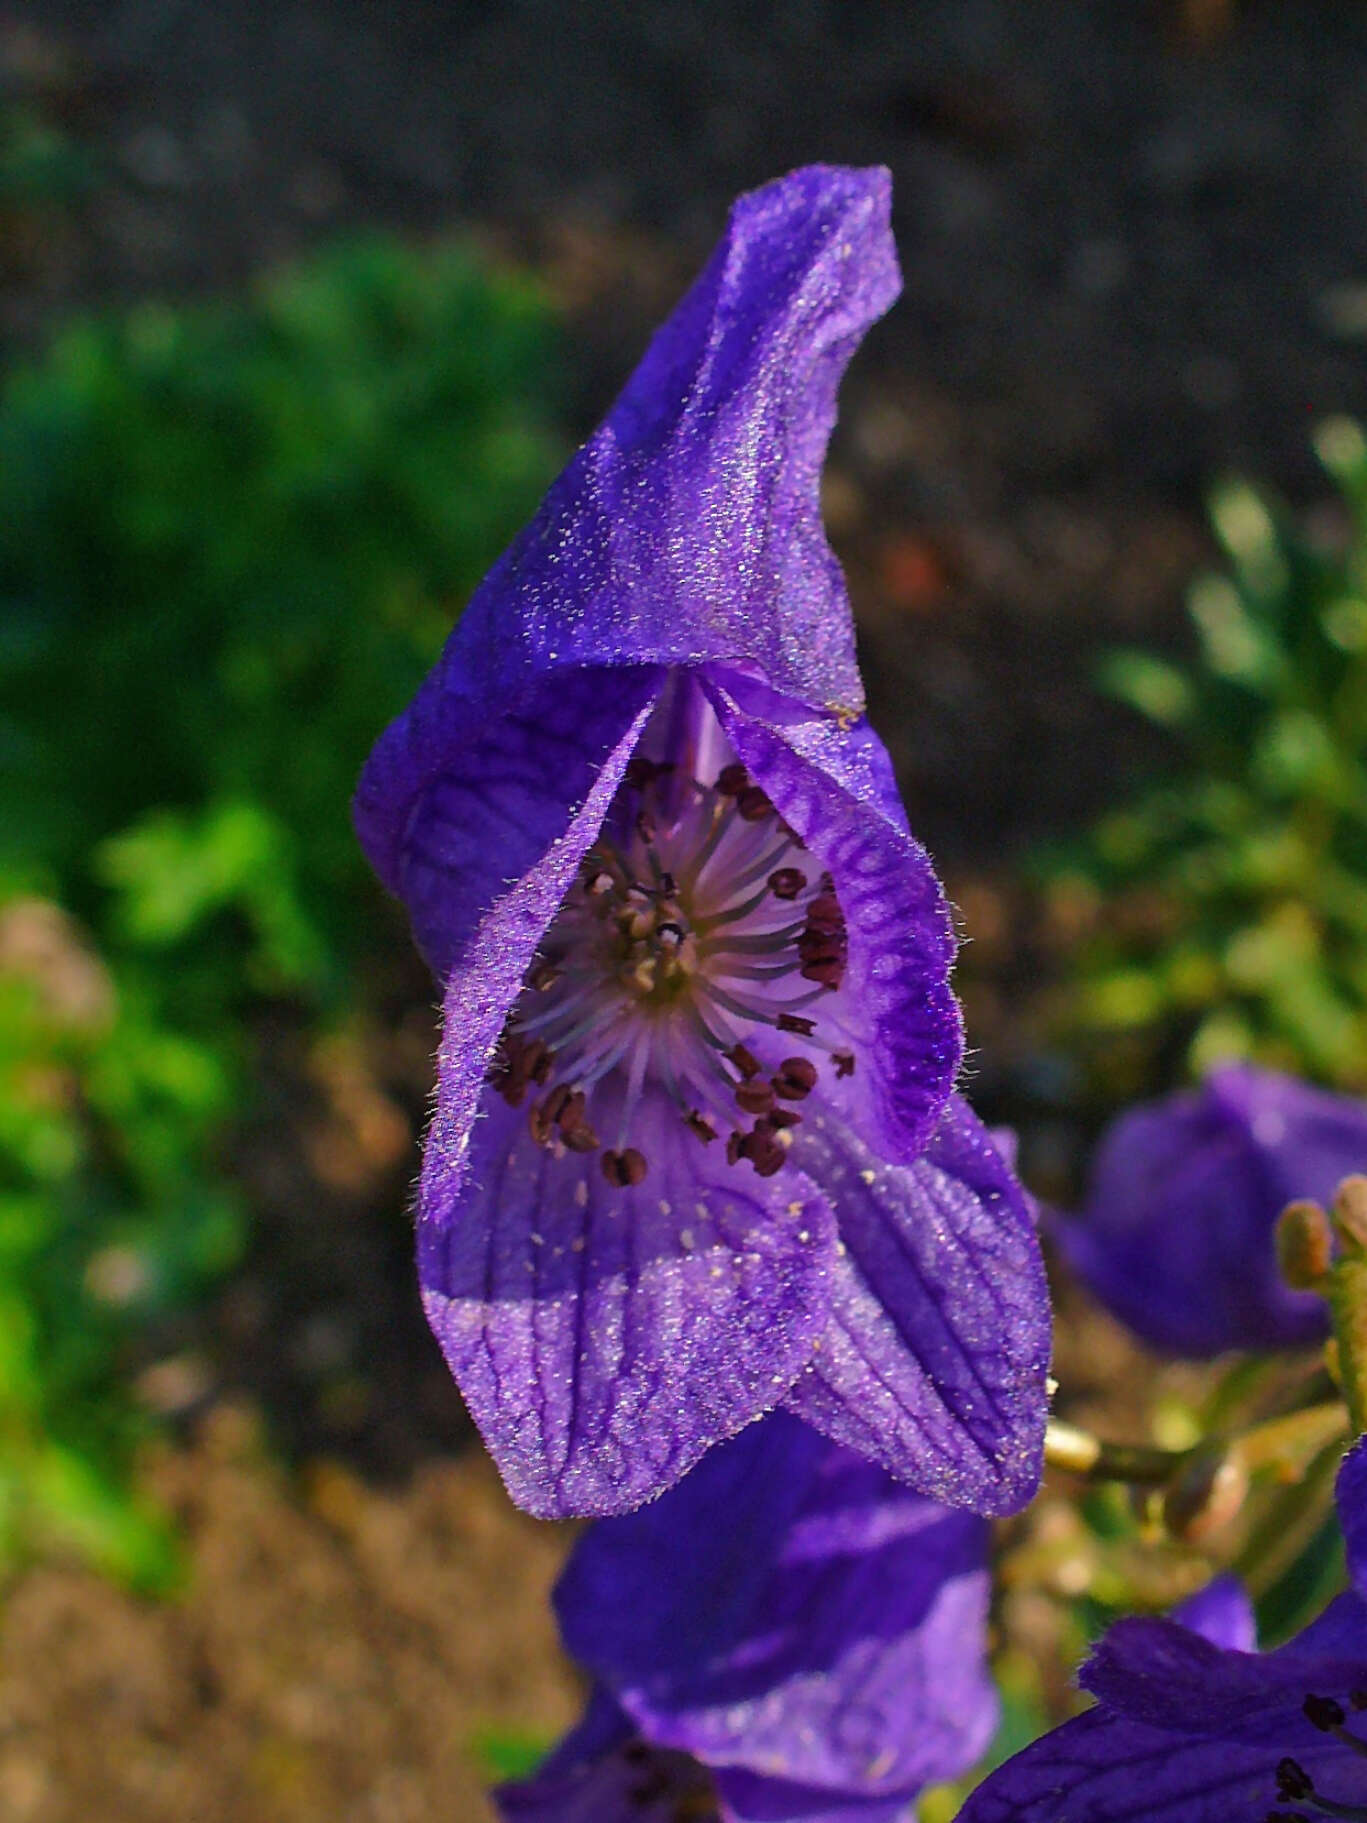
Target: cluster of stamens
[
  {"x": 1294, "y": 1783},
  {"x": 693, "y": 927}
]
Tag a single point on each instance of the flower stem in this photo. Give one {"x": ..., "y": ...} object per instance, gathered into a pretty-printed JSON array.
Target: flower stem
[{"x": 1285, "y": 1441}]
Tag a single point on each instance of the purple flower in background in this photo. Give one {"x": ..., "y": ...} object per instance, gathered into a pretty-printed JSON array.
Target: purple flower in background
[
  {"x": 1178, "y": 1234},
  {"x": 1193, "y": 1726},
  {"x": 694, "y": 1152},
  {"x": 788, "y": 1634}
]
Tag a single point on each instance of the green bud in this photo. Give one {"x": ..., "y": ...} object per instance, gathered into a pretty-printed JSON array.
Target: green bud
[
  {"x": 1350, "y": 1214},
  {"x": 1347, "y": 1294},
  {"x": 1305, "y": 1245}
]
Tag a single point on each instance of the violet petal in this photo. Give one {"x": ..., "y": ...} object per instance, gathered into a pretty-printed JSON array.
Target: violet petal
[
  {"x": 605, "y": 1337},
  {"x": 937, "y": 1352},
  {"x": 791, "y": 1612},
  {"x": 905, "y": 1027}
]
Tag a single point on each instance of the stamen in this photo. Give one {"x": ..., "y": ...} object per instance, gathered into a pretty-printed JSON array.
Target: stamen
[
  {"x": 787, "y": 882},
  {"x": 1329, "y": 1716},
  {"x": 758, "y": 944},
  {"x": 796, "y": 1078},
  {"x": 1293, "y": 1781},
  {"x": 625, "y": 1168},
  {"x": 1295, "y": 1786},
  {"x": 764, "y": 867},
  {"x": 755, "y": 1098},
  {"x": 678, "y": 948}
]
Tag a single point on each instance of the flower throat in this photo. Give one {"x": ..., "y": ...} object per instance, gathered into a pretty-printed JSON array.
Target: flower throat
[{"x": 697, "y": 934}]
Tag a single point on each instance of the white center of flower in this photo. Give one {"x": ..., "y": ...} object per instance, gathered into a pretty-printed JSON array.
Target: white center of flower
[{"x": 696, "y": 923}]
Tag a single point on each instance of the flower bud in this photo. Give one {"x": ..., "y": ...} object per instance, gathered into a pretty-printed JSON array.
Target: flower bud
[
  {"x": 1350, "y": 1213},
  {"x": 1305, "y": 1245}
]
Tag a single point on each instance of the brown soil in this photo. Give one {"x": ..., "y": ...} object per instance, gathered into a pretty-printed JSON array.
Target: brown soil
[{"x": 338, "y": 1653}]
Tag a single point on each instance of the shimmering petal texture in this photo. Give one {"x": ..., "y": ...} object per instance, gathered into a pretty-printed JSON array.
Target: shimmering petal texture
[
  {"x": 605, "y": 1336},
  {"x": 1177, "y": 1237},
  {"x": 794, "y": 1621},
  {"x": 688, "y": 528},
  {"x": 936, "y": 1355},
  {"x": 1190, "y": 1730},
  {"x": 693, "y": 960},
  {"x": 900, "y": 1014}
]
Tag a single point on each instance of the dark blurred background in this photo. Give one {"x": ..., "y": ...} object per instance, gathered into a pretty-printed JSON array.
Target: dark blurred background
[{"x": 300, "y": 307}]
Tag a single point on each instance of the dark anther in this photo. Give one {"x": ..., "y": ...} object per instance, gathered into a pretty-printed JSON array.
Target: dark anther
[
  {"x": 670, "y": 935},
  {"x": 824, "y": 913},
  {"x": 556, "y": 1103},
  {"x": 1293, "y": 1781},
  {"x": 518, "y": 1064},
  {"x": 796, "y": 1078},
  {"x": 844, "y": 1062},
  {"x": 784, "y": 1117},
  {"x": 641, "y": 772},
  {"x": 822, "y": 944},
  {"x": 1284, "y": 1816},
  {"x": 624, "y": 1169},
  {"x": 745, "y": 1061},
  {"x": 755, "y": 1097},
  {"x": 733, "y": 1146},
  {"x": 701, "y": 1126},
  {"x": 789, "y": 1022},
  {"x": 1357, "y": 1699},
  {"x": 826, "y": 970},
  {"x": 563, "y": 1111},
  {"x": 574, "y": 1126},
  {"x": 763, "y": 1149},
  {"x": 1324, "y": 1713},
  {"x": 787, "y": 882},
  {"x": 732, "y": 780},
  {"x": 753, "y": 804}
]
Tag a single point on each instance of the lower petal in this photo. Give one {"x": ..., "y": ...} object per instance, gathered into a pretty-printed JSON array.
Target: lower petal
[
  {"x": 605, "y": 1337},
  {"x": 1104, "y": 1768},
  {"x": 602, "y": 1772},
  {"x": 747, "y": 1797},
  {"x": 1221, "y": 1613},
  {"x": 793, "y": 1612},
  {"x": 935, "y": 1359}
]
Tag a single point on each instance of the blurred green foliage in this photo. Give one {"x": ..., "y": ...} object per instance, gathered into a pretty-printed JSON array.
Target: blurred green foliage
[
  {"x": 232, "y": 539},
  {"x": 1229, "y": 901},
  {"x": 40, "y": 166}
]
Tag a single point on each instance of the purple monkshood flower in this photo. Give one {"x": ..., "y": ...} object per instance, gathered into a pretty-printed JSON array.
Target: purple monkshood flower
[
  {"x": 694, "y": 1152},
  {"x": 1192, "y": 1725},
  {"x": 1177, "y": 1238},
  {"x": 789, "y": 1634}
]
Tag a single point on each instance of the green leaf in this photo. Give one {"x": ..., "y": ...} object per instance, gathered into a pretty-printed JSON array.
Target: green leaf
[{"x": 1151, "y": 685}]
